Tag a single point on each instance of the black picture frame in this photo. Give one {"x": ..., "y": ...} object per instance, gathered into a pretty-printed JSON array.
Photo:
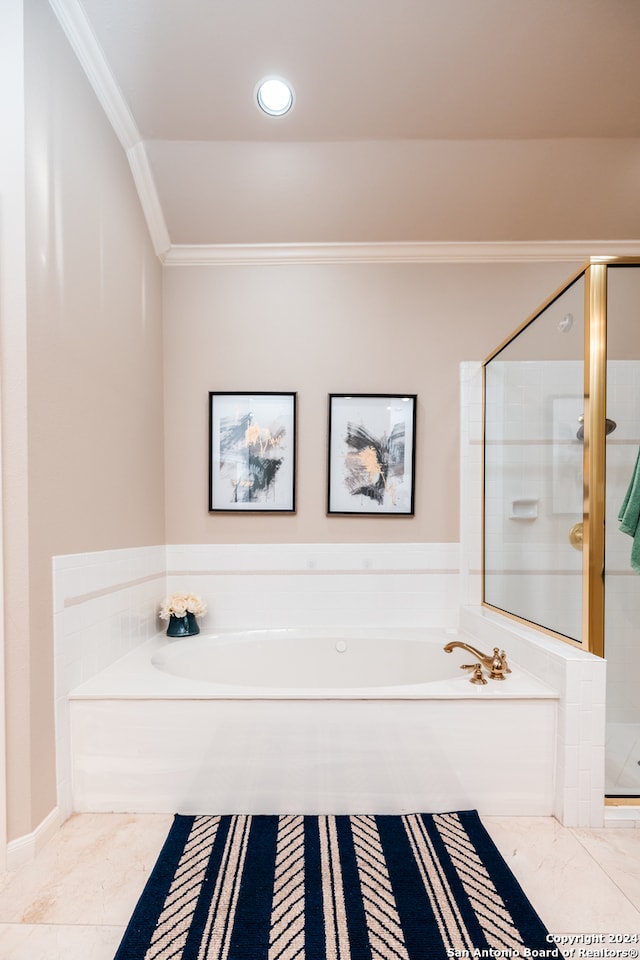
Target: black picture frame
[{"x": 371, "y": 454}]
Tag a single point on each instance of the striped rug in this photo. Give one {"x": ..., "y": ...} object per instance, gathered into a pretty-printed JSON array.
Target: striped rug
[{"x": 415, "y": 887}]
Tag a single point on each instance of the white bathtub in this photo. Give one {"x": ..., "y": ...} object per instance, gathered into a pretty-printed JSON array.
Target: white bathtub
[
  {"x": 310, "y": 721},
  {"x": 307, "y": 662}
]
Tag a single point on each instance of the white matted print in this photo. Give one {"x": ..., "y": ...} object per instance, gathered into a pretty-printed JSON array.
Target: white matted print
[
  {"x": 252, "y": 452},
  {"x": 371, "y": 454}
]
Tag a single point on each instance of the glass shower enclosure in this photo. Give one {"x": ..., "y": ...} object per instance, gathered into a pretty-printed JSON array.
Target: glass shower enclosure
[{"x": 560, "y": 453}]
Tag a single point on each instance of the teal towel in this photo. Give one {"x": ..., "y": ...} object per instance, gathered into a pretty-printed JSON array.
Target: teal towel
[{"x": 629, "y": 515}]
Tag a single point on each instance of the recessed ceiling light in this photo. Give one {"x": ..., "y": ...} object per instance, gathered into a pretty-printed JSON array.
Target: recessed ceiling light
[{"x": 274, "y": 96}]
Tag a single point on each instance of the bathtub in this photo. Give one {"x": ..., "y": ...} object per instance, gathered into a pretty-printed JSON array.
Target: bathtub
[
  {"x": 302, "y": 663},
  {"x": 310, "y": 721}
]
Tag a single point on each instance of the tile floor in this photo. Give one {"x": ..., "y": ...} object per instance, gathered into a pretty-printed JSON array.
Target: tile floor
[{"x": 74, "y": 901}]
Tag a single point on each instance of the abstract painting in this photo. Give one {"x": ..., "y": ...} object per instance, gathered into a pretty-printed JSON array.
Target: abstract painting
[
  {"x": 252, "y": 457},
  {"x": 371, "y": 454}
]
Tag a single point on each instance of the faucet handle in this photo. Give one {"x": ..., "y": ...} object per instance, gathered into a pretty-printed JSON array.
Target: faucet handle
[
  {"x": 505, "y": 663},
  {"x": 478, "y": 676}
]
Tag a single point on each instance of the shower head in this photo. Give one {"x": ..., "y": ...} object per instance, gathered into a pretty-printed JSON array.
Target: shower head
[{"x": 610, "y": 426}]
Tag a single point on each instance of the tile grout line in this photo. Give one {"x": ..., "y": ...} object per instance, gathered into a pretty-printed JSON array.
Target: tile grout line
[
  {"x": 314, "y": 571},
  {"x": 73, "y": 601}
]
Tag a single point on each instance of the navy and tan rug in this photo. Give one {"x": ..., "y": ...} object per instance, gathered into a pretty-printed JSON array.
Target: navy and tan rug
[{"x": 415, "y": 887}]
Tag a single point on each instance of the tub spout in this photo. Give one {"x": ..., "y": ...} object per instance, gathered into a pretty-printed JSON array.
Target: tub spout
[{"x": 495, "y": 663}]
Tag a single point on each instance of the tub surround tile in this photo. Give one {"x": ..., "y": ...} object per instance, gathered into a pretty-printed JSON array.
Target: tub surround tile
[
  {"x": 105, "y": 604},
  {"x": 580, "y": 680},
  {"x": 313, "y": 756},
  {"x": 361, "y": 593},
  {"x": 310, "y": 556},
  {"x": 397, "y": 584}
]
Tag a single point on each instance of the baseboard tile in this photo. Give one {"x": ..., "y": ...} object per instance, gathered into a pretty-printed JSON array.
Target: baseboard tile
[{"x": 24, "y": 849}]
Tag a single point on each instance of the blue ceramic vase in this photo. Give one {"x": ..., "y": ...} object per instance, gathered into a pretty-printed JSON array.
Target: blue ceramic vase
[{"x": 186, "y": 626}]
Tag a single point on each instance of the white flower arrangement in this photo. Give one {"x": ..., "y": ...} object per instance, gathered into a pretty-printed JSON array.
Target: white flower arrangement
[{"x": 180, "y": 604}]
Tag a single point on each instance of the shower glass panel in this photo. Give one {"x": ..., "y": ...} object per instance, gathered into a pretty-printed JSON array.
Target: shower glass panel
[
  {"x": 622, "y": 585},
  {"x": 533, "y": 468}
]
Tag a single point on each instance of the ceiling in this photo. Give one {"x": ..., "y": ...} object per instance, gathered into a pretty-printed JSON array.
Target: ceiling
[{"x": 392, "y": 99}]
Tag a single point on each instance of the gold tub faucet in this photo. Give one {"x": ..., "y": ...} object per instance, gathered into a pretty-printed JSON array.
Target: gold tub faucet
[{"x": 495, "y": 663}]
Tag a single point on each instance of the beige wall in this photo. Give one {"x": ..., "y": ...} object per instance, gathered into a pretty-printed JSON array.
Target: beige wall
[
  {"x": 85, "y": 380},
  {"x": 12, "y": 342},
  {"x": 327, "y": 328}
]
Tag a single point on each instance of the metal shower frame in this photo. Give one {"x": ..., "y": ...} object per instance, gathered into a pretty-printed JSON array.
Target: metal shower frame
[{"x": 595, "y": 273}]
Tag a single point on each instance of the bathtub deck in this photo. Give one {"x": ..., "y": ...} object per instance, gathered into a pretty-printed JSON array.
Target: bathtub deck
[{"x": 133, "y": 676}]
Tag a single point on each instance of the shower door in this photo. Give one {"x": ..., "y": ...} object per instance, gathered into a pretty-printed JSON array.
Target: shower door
[
  {"x": 622, "y": 582},
  {"x": 533, "y": 468}
]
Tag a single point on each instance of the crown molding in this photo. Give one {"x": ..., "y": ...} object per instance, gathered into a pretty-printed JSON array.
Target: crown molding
[
  {"x": 489, "y": 252},
  {"x": 94, "y": 63},
  {"x": 149, "y": 200},
  {"x": 76, "y": 27}
]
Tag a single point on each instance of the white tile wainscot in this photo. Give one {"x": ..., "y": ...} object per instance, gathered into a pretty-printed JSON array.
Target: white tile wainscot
[
  {"x": 105, "y": 605},
  {"x": 320, "y": 584}
]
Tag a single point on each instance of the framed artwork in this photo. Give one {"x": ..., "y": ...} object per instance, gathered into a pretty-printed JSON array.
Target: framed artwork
[
  {"x": 371, "y": 454},
  {"x": 252, "y": 452}
]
